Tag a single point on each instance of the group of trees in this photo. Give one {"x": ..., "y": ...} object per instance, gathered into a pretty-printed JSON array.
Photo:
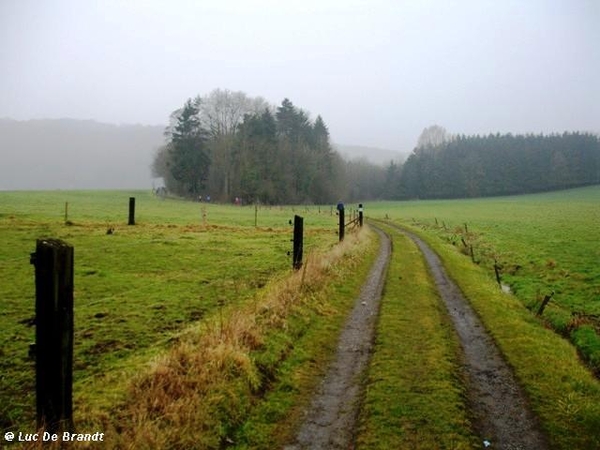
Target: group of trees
[
  {"x": 228, "y": 145},
  {"x": 481, "y": 166}
]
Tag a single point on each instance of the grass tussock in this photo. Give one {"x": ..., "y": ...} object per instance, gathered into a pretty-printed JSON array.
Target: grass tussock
[{"x": 199, "y": 392}]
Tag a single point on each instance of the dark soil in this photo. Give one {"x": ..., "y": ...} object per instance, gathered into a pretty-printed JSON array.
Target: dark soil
[{"x": 503, "y": 419}]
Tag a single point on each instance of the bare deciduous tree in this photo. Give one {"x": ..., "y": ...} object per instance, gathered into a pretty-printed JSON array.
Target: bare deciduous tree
[
  {"x": 221, "y": 111},
  {"x": 433, "y": 136}
]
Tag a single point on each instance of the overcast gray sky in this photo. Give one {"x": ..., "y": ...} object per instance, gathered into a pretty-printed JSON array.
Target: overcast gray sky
[{"x": 377, "y": 71}]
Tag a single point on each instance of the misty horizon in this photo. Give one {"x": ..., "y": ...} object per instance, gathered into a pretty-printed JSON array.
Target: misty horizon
[
  {"x": 377, "y": 72},
  {"x": 70, "y": 153}
]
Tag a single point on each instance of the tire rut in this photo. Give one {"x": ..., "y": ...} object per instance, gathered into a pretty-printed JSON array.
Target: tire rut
[
  {"x": 498, "y": 404},
  {"x": 329, "y": 422},
  {"x": 502, "y": 415}
]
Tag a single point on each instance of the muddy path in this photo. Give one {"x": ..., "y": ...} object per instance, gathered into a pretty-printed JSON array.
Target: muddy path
[
  {"x": 498, "y": 404},
  {"x": 329, "y": 422},
  {"x": 502, "y": 416}
]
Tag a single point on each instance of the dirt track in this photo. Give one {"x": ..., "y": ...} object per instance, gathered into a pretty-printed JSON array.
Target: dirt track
[
  {"x": 498, "y": 403},
  {"x": 329, "y": 422},
  {"x": 503, "y": 417}
]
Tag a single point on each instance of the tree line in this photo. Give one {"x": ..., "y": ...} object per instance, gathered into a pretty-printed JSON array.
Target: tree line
[
  {"x": 497, "y": 164},
  {"x": 227, "y": 145}
]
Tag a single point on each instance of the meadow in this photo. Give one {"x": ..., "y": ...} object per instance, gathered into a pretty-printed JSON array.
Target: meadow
[
  {"x": 197, "y": 304},
  {"x": 137, "y": 287},
  {"x": 544, "y": 245}
]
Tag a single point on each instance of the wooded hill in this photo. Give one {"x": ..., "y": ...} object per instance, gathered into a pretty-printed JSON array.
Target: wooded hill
[
  {"x": 497, "y": 164},
  {"x": 228, "y": 145},
  {"x": 76, "y": 154}
]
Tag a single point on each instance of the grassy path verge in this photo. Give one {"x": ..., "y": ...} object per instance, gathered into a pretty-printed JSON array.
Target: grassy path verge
[
  {"x": 275, "y": 421},
  {"x": 503, "y": 416},
  {"x": 330, "y": 421},
  {"x": 563, "y": 393},
  {"x": 415, "y": 396},
  {"x": 238, "y": 378}
]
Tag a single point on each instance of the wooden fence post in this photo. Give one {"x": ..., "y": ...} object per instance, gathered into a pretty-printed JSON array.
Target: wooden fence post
[
  {"x": 497, "y": 272},
  {"x": 342, "y": 225},
  {"x": 131, "y": 211},
  {"x": 53, "y": 261},
  {"x": 360, "y": 214},
  {"x": 298, "y": 242},
  {"x": 547, "y": 298},
  {"x": 203, "y": 215}
]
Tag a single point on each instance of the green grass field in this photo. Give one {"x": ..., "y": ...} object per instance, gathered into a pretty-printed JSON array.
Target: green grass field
[
  {"x": 543, "y": 243},
  {"x": 148, "y": 297},
  {"x": 135, "y": 288}
]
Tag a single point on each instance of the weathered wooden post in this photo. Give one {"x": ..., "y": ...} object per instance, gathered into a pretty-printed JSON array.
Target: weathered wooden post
[
  {"x": 53, "y": 261},
  {"x": 547, "y": 299},
  {"x": 66, "y": 212},
  {"x": 360, "y": 214},
  {"x": 131, "y": 211},
  {"x": 298, "y": 242},
  {"x": 340, "y": 208},
  {"x": 497, "y": 272}
]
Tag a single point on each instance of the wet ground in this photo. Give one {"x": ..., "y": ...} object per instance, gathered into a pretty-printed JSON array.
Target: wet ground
[
  {"x": 503, "y": 418},
  {"x": 330, "y": 420}
]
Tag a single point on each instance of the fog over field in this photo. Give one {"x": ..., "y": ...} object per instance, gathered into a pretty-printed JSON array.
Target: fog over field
[
  {"x": 378, "y": 72},
  {"x": 76, "y": 154}
]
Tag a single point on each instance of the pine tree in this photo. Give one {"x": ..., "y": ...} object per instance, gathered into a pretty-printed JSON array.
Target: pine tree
[{"x": 189, "y": 159}]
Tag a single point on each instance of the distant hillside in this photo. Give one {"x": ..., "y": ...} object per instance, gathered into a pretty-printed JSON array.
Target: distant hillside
[
  {"x": 76, "y": 154},
  {"x": 379, "y": 156},
  {"x": 84, "y": 154}
]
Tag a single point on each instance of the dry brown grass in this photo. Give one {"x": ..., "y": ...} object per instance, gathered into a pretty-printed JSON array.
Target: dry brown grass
[{"x": 195, "y": 395}]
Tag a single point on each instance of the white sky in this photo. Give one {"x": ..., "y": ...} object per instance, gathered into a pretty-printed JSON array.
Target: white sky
[{"x": 377, "y": 71}]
